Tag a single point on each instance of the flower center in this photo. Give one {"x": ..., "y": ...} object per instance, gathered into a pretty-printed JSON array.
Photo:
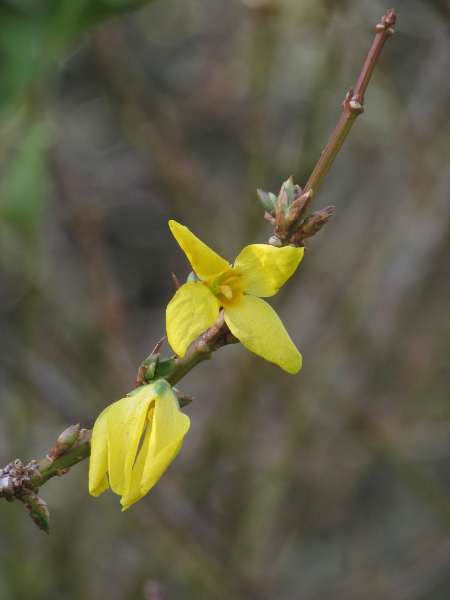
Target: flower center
[{"x": 226, "y": 286}]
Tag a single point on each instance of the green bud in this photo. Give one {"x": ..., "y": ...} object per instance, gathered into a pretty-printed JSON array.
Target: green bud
[
  {"x": 183, "y": 399},
  {"x": 68, "y": 437},
  {"x": 38, "y": 511},
  {"x": 147, "y": 369},
  {"x": 166, "y": 367},
  {"x": 289, "y": 187},
  {"x": 268, "y": 199},
  {"x": 150, "y": 372},
  {"x": 150, "y": 360},
  {"x": 151, "y": 363}
]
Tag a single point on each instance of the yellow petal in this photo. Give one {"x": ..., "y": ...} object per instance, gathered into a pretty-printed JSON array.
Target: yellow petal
[
  {"x": 134, "y": 490},
  {"x": 261, "y": 331},
  {"x": 204, "y": 261},
  {"x": 192, "y": 310},
  {"x": 98, "y": 464},
  {"x": 162, "y": 442},
  {"x": 266, "y": 268},
  {"x": 125, "y": 423}
]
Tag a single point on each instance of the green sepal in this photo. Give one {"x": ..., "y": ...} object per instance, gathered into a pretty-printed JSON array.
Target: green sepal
[
  {"x": 135, "y": 391},
  {"x": 166, "y": 367}
]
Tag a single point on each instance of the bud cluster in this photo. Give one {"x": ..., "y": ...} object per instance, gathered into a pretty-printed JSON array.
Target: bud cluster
[
  {"x": 286, "y": 212},
  {"x": 15, "y": 484}
]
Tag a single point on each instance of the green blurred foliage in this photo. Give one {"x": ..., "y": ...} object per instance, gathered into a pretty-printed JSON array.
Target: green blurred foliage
[
  {"x": 329, "y": 485},
  {"x": 33, "y": 33},
  {"x": 23, "y": 188}
]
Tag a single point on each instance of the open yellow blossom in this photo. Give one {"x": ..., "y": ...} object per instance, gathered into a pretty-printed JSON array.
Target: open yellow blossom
[
  {"x": 258, "y": 272},
  {"x": 135, "y": 440}
]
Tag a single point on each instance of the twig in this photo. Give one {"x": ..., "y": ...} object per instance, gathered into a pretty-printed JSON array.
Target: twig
[
  {"x": 19, "y": 482},
  {"x": 353, "y": 104}
]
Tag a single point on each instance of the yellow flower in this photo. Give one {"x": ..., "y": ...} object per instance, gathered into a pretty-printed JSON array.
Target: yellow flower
[
  {"x": 134, "y": 464},
  {"x": 259, "y": 271}
]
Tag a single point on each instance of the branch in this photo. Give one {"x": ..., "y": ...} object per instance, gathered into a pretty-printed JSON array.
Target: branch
[
  {"x": 353, "y": 104},
  {"x": 19, "y": 482},
  {"x": 74, "y": 444}
]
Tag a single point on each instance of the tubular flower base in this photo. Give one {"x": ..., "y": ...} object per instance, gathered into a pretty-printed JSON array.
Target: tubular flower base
[
  {"x": 258, "y": 272},
  {"x": 135, "y": 440}
]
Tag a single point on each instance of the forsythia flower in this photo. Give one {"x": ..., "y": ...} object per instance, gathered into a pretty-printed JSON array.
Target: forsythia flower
[
  {"x": 259, "y": 271},
  {"x": 134, "y": 464}
]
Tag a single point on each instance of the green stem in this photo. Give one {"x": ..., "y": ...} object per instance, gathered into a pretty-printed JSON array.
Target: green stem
[
  {"x": 214, "y": 338},
  {"x": 191, "y": 359},
  {"x": 48, "y": 468}
]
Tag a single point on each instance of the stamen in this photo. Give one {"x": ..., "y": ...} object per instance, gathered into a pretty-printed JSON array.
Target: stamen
[{"x": 226, "y": 291}]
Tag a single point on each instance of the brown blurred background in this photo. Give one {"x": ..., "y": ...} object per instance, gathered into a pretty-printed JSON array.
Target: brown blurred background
[{"x": 333, "y": 484}]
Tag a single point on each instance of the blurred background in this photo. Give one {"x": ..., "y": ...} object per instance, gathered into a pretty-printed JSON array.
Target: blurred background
[{"x": 116, "y": 116}]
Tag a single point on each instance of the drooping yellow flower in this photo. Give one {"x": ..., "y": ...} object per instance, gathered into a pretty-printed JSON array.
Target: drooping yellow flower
[
  {"x": 258, "y": 272},
  {"x": 135, "y": 440}
]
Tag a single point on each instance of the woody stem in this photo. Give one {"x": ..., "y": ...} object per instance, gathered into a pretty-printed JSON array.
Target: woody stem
[{"x": 353, "y": 104}]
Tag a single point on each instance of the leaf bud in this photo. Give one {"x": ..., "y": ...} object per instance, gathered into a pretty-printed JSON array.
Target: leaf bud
[
  {"x": 166, "y": 367},
  {"x": 68, "y": 437},
  {"x": 282, "y": 200},
  {"x": 289, "y": 187},
  {"x": 268, "y": 200},
  {"x": 183, "y": 399},
  {"x": 269, "y": 217},
  {"x": 38, "y": 511},
  {"x": 280, "y": 220},
  {"x": 314, "y": 222},
  {"x": 298, "y": 207}
]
